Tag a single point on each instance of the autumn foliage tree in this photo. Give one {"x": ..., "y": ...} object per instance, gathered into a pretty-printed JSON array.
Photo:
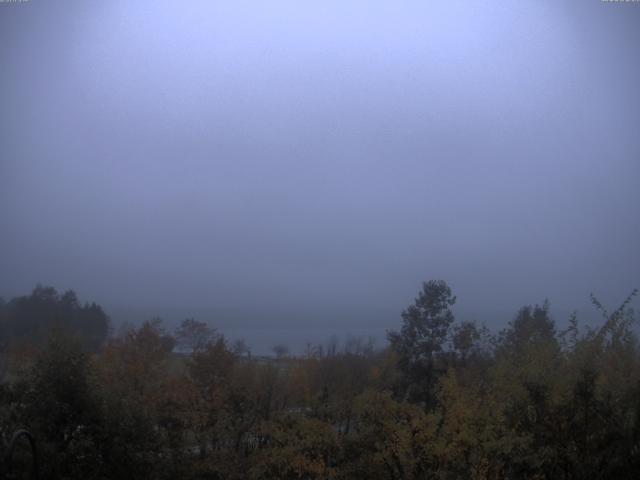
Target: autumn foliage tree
[{"x": 444, "y": 400}]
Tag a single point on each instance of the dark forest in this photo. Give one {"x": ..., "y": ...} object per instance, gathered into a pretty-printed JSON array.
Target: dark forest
[{"x": 446, "y": 398}]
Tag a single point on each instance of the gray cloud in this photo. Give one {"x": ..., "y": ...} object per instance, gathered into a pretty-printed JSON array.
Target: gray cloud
[{"x": 302, "y": 164}]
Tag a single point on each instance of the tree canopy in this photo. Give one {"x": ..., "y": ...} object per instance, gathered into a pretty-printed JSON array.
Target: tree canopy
[
  {"x": 444, "y": 400},
  {"x": 32, "y": 318}
]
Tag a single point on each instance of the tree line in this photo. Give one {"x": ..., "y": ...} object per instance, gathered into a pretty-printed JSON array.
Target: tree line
[
  {"x": 446, "y": 399},
  {"x": 29, "y": 319}
]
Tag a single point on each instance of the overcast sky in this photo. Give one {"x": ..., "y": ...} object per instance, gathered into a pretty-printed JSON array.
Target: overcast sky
[{"x": 309, "y": 163}]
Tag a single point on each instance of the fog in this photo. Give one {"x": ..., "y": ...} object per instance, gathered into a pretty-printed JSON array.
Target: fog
[{"x": 295, "y": 169}]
